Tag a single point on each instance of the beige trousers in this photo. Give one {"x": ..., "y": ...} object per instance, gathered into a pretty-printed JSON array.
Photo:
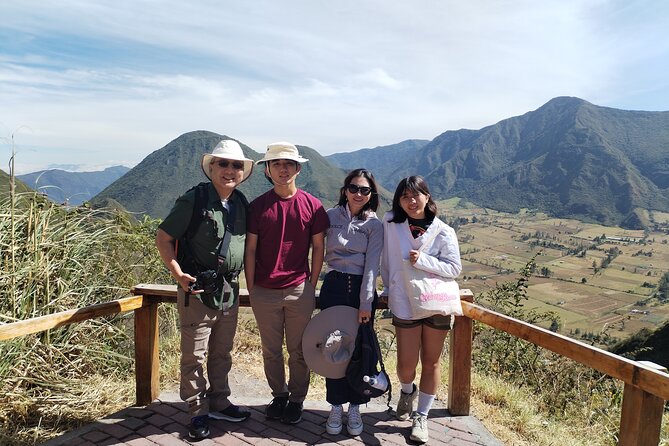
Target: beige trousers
[
  {"x": 284, "y": 312},
  {"x": 207, "y": 336}
]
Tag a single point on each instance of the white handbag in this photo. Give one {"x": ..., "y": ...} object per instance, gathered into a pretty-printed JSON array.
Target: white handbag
[{"x": 430, "y": 293}]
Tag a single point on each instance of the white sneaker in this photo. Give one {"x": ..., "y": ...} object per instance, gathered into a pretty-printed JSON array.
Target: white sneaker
[
  {"x": 354, "y": 422},
  {"x": 419, "y": 429},
  {"x": 333, "y": 425},
  {"x": 405, "y": 404}
]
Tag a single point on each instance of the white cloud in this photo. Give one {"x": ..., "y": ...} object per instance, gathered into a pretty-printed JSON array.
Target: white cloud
[{"x": 116, "y": 80}]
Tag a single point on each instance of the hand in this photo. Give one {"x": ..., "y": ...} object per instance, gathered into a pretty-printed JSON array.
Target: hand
[
  {"x": 185, "y": 280},
  {"x": 364, "y": 316},
  {"x": 413, "y": 256}
]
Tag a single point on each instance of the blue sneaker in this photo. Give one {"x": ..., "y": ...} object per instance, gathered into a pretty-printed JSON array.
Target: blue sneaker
[
  {"x": 199, "y": 427},
  {"x": 231, "y": 413}
]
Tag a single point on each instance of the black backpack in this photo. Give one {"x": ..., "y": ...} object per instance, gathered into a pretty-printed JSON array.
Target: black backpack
[{"x": 362, "y": 372}]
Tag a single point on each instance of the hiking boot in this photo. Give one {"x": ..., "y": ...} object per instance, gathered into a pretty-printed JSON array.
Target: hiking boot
[
  {"x": 405, "y": 404},
  {"x": 354, "y": 422},
  {"x": 333, "y": 425},
  {"x": 293, "y": 413},
  {"x": 275, "y": 409},
  {"x": 199, "y": 427},
  {"x": 231, "y": 413},
  {"x": 419, "y": 429}
]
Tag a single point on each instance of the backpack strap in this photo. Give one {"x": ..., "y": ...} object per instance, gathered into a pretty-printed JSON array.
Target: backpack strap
[
  {"x": 383, "y": 367},
  {"x": 199, "y": 209}
]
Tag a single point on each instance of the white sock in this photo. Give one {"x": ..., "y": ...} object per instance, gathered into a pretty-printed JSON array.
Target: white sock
[
  {"x": 407, "y": 388},
  {"x": 424, "y": 403}
]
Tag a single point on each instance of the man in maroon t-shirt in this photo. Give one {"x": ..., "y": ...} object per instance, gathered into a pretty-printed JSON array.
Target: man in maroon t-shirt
[{"x": 282, "y": 224}]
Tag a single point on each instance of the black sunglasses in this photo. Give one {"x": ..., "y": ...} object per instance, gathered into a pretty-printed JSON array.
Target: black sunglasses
[
  {"x": 235, "y": 164},
  {"x": 354, "y": 189}
]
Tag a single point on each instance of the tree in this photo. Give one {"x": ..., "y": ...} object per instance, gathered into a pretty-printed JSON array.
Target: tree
[{"x": 555, "y": 326}]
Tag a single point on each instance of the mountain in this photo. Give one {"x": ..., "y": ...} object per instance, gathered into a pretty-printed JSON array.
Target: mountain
[
  {"x": 19, "y": 185},
  {"x": 569, "y": 158},
  {"x": 646, "y": 345},
  {"x": 72, "y": 187},
  {"x": 384, "y": 166},
  {"x": 152, "y": 186}
]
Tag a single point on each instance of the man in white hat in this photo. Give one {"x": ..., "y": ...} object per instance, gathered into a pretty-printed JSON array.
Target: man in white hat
[
  {"x": 201, "y": 242},
  {"x": 284, "y": 223}
]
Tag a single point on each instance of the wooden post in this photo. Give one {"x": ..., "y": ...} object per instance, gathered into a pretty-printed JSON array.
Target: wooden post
[
  {"x": 460, "y": 362},
  {"x": 641, "y": 415},
  {"x": 147, "y": 364}
]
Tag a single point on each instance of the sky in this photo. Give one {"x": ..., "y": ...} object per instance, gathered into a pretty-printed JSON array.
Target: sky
[{"x": 87, "y": 84}]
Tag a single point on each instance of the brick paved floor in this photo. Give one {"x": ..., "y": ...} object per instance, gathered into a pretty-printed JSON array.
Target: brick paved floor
[{"x": 165, "y": 421}]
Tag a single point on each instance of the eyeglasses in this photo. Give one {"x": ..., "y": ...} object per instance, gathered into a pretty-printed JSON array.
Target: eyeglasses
[
  {"x": 235, "y": 164},
  {"x": 354, "y": 189}
]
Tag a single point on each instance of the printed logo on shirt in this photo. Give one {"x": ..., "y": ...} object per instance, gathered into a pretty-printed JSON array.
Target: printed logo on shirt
[{"x": 416, "y": 231}]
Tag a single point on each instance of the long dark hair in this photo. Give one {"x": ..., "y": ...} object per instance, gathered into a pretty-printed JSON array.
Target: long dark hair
[
  {"x": 373, "y": 202},
  {"x": 416, "y": 185}
]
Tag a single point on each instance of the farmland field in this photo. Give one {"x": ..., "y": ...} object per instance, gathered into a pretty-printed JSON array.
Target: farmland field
[{"x": 593, "y": 277}]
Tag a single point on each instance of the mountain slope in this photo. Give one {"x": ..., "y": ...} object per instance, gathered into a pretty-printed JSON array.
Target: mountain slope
[
  {"x": 152, "y": 186},
  {"x": 19, "y": 185},
  {"x": 384, "y": 158},
  {"x": 72, "y": 187},
  {"x": 568, "y": 158}
]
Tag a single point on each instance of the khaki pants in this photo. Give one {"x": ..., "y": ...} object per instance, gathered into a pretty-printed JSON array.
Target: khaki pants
[
  {"x": 280, "y": 312},
  {"x": 207, "y": 335}
]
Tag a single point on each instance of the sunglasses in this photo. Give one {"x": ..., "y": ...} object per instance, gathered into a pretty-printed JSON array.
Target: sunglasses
[
  {"x": 354, "y": 189},
  {"x": 235, "y": 164}
]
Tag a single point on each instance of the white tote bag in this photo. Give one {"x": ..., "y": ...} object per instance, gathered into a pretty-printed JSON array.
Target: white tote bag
[{"x": 429, "y": 293}]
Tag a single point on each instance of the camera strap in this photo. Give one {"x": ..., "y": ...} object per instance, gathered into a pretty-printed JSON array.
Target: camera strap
[{"x": 222, "y": 251}]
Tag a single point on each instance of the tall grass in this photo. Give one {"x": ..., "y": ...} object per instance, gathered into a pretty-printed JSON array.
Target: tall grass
[{"x": 54, "y": 258}]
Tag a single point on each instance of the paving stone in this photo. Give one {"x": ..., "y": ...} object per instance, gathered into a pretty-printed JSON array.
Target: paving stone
[
  {"x": 165, "y": 423},
  {"x": 95, "y": 436}
]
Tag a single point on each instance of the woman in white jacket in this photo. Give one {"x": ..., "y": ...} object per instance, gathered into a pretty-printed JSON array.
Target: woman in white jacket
[{"x": 413, "y": 219}]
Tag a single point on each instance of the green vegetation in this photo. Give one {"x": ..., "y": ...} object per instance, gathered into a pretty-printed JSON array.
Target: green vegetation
[
  {"x": 55, "y": 258},
  {"x": 52, "y": 259}
]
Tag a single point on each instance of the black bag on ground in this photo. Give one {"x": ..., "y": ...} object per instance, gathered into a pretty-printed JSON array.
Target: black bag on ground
[{"x": 362, "y": 372}]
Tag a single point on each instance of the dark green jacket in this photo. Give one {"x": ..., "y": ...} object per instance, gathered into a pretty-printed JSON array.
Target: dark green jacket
[{"x": 206, "y": 239}]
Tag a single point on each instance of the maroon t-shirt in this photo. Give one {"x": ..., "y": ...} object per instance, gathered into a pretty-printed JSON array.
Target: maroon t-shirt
[{"x": 284, "y": 228}]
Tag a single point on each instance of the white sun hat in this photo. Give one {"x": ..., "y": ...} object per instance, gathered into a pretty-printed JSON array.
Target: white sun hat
[
  {"x": 282, "y": 151},
  {"x": 230, "y": 150}
]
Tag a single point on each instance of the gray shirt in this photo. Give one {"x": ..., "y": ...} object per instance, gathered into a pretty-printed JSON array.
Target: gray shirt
[{"x": 354, "y": 246}]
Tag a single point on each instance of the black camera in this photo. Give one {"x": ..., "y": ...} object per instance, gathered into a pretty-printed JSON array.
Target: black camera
[{"x": 207, "y": 281}]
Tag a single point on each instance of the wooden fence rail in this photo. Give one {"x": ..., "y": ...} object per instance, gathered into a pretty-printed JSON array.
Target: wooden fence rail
[{"x": 646, "y": 384}]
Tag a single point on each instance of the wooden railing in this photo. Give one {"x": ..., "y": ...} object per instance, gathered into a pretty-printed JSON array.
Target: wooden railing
[{"x": 646, "y": 384}]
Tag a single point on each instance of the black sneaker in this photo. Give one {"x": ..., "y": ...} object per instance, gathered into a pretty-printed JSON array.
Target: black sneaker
[
  {"x": 199, "y": 427},
  {"x": 274, "y": 410},
  {"x": 231, "y": 413},
  {"x": 293, "y": 413}
]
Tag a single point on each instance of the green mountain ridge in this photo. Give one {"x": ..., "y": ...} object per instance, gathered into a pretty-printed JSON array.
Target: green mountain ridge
[
  {"x": 154, "y": 184},
  {"x": 19, "y": 185},
  {"x": 384, "y": 165},
  {"x": 568, "y": 158}
]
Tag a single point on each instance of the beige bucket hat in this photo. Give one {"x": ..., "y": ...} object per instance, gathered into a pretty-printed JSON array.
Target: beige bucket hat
[
  {"x": 282, "y": 151},
  {"x": 231, "y": 150}
]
